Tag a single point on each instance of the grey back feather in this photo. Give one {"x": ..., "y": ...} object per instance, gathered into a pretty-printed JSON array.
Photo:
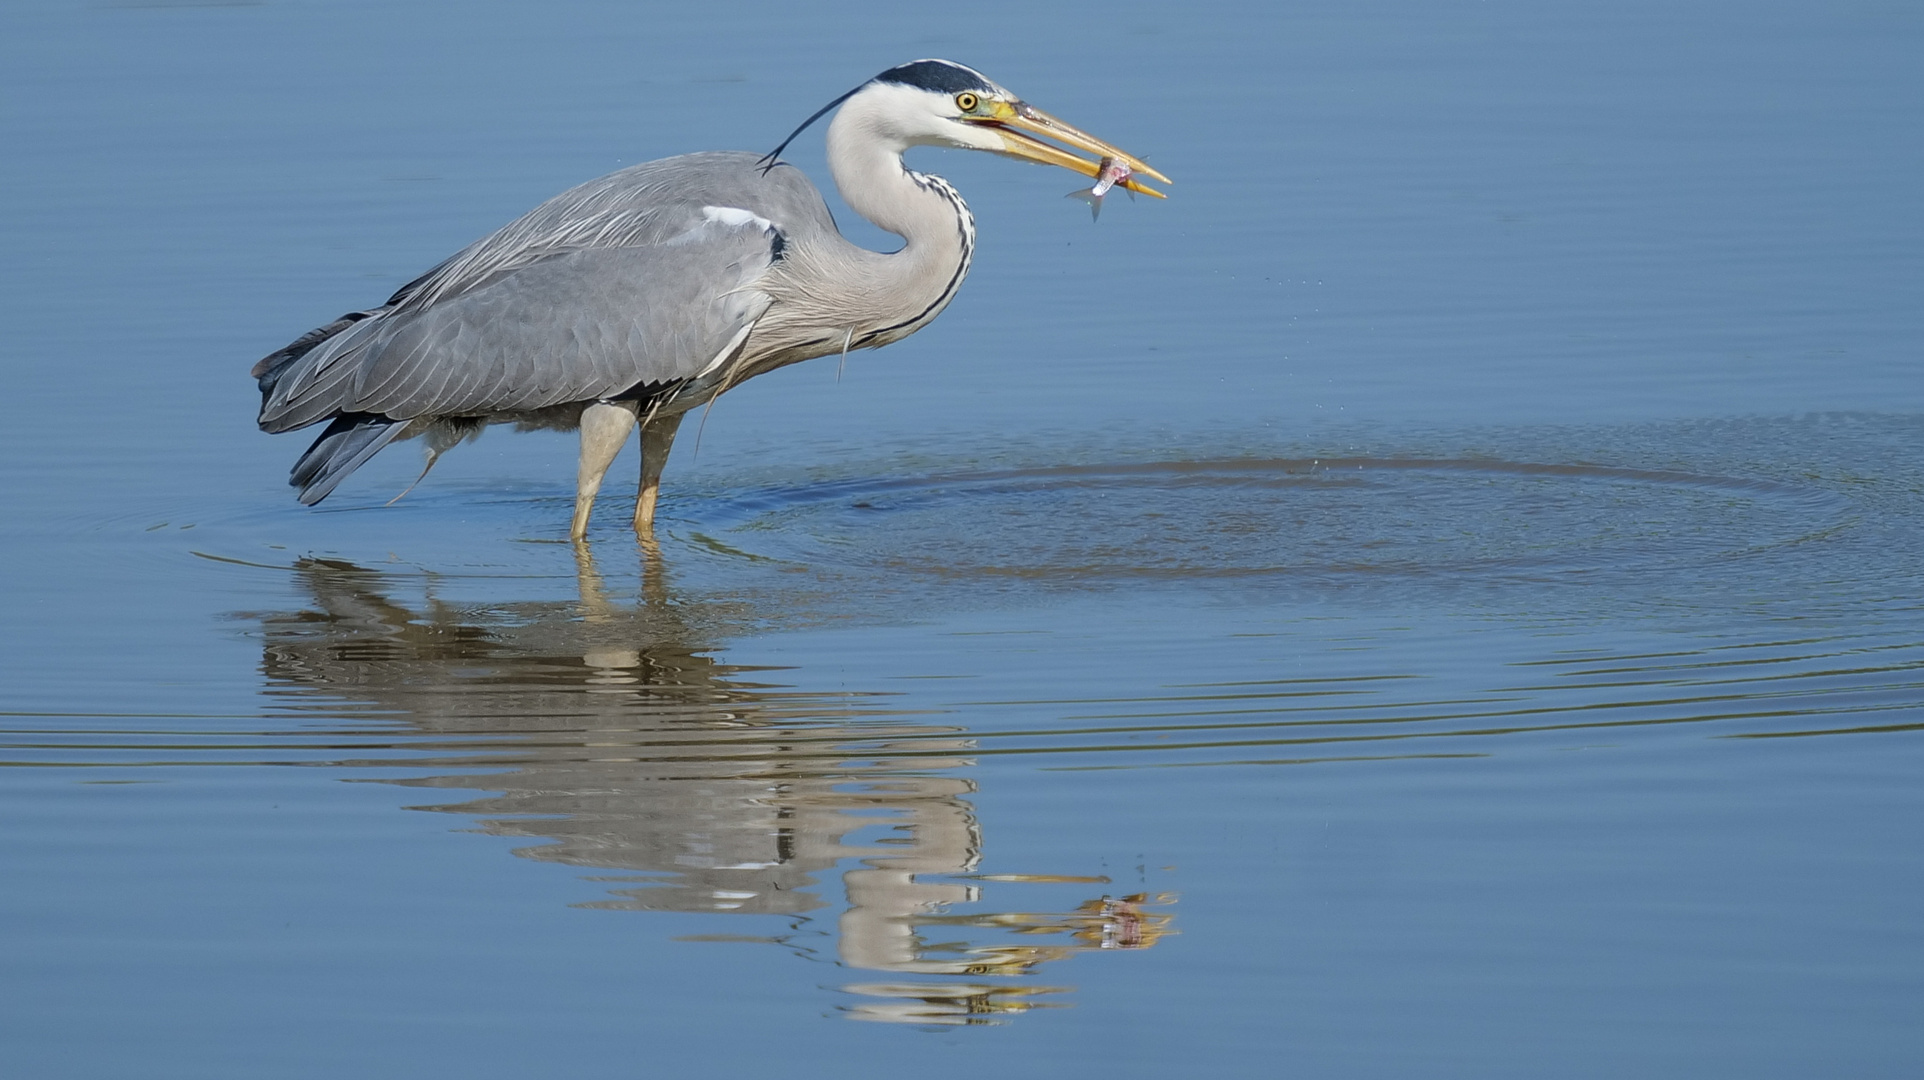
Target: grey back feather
[{"x": 622, "y": 282}]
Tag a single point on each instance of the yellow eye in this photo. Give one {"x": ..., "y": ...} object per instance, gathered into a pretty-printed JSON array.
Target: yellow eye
[{"x": 966, "y": 101}]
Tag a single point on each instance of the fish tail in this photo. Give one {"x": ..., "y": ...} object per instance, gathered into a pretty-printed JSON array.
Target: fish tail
[{"x": 1089, "y": 196}]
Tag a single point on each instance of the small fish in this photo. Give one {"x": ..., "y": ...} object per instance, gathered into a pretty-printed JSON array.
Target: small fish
[{"x": 1111, "y": 173}]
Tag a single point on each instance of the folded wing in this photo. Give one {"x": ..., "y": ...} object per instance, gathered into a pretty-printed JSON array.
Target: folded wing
[
  {"x": 638, "y": 279},
  {"x": 572, "y": 327}
]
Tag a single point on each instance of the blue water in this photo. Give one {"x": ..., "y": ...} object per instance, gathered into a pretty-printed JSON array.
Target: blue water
[{"x": 1439, "y": 595}]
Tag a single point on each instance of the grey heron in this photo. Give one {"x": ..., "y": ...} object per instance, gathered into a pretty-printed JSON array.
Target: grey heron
[{"x": 631, "y": 299}]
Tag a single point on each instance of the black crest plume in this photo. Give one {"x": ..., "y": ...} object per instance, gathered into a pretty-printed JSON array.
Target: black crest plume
[{"x": 941, "y": 76}]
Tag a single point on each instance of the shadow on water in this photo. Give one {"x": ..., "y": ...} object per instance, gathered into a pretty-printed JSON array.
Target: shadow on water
[{"x": 606, "y": 732}]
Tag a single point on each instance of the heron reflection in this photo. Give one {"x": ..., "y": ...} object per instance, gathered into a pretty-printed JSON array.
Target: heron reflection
[{"x": 607, "y": 732}]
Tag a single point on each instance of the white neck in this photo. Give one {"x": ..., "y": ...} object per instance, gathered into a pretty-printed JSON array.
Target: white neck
[
  {"x": 865, "y": 145},
  {"x": 913, "y": 284}
]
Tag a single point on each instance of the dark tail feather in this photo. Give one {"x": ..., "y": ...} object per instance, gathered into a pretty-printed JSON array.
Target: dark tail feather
[
  {"x": 270, "y": 367},
  {"x": 344, "y": 447}
]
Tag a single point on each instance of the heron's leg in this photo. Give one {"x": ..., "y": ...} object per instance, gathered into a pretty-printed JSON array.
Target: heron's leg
[
  {"x": 657, "y": 435},
  {"x": 604, "y": 427}
]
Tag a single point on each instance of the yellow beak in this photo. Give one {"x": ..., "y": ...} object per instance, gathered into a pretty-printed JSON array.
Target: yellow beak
[{"x": 1012, "y": 119}]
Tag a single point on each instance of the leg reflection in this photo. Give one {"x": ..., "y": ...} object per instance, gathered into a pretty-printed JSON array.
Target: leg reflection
[{"x": 611, "y": 737}]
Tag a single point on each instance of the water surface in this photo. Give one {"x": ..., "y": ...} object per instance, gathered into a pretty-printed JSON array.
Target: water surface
[{"x": 1438, "y": 596}]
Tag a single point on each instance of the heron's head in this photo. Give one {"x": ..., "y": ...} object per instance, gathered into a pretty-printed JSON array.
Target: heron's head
[{"x": 943, "y": 103}]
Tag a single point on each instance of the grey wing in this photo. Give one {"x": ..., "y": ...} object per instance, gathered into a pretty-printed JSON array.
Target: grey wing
[
  {"x": 574, "y": 326},
  {"x": 651, "y": 203},
  {"x": 536, "y": 312}
]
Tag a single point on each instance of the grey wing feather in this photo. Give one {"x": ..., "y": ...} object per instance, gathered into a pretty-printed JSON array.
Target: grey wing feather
[
  {"x": 622, "y": 282},
  {"x": 579, "y": 326},
  {"x": 651, "y": 203}
]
